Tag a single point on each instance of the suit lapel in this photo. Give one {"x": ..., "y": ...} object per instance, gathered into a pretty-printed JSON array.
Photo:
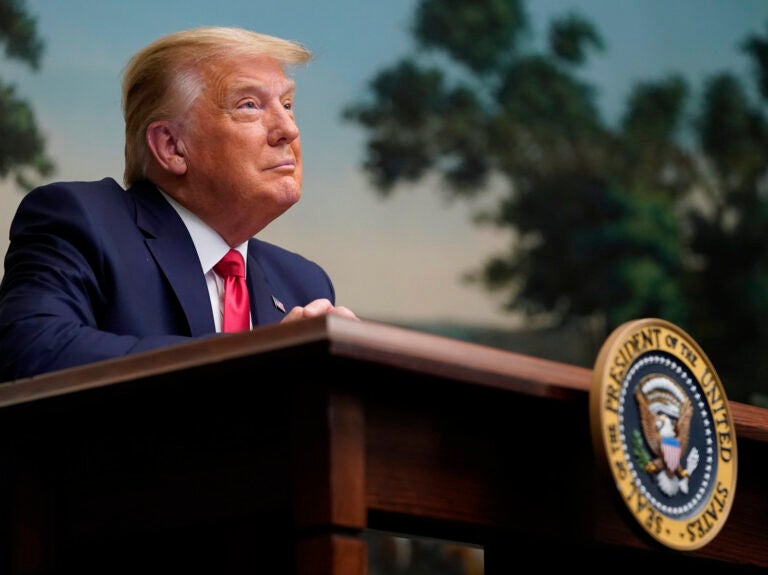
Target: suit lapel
[
  {"x": 264, "y": 307},
  {"x": 169, "y": 242}
]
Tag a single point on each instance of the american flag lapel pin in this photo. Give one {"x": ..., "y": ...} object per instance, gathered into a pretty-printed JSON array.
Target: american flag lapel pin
[{"x": 278, "y": 304}]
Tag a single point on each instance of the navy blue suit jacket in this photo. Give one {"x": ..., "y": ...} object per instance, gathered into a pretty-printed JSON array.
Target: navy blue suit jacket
[{"x": 94, "y": 271}]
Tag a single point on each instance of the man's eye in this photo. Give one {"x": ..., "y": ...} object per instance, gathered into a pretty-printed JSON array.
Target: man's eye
[
  {"x": 249, "y": 104},
  {"x": 288, "y": 105}
]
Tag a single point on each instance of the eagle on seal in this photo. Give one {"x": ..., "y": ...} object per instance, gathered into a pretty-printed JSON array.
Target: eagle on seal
[{"x": 665, "y": 417}]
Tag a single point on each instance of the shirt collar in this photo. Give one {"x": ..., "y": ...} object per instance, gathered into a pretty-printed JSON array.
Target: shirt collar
[{"x": 210, "y": 246}]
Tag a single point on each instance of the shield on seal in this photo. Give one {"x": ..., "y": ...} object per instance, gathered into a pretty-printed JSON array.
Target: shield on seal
[{"x": 670, "y": 449}]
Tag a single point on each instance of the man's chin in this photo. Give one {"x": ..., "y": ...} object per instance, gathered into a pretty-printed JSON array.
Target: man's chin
[{"x": 290, "y": 194}]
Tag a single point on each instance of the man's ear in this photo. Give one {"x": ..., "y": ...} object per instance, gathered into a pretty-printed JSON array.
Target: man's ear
[{"x": 166, "y": 147}]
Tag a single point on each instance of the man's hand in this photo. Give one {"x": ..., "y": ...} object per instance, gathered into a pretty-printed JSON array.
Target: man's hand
[{"x": 317, "y": 308}]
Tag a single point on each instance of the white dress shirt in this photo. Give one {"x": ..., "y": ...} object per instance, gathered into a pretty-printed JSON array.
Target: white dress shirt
[{"x": 210, "y": 249}]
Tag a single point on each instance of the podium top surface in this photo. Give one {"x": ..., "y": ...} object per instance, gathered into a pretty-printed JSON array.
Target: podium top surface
[{"x": 364, "y": 340}]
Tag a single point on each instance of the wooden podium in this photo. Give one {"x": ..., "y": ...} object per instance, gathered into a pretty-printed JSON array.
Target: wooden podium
[{"x": 275, "y": 450}]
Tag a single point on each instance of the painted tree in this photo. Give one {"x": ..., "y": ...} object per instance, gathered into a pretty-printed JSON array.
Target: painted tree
[
  {"x": 22, "y": 147},
  {"x": 658, "y": 216}
]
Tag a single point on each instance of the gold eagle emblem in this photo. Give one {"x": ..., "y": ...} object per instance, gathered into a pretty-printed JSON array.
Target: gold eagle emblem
[{"x": 665, "y": 417}]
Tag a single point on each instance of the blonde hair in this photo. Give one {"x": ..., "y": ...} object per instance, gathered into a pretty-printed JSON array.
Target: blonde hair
[{"x": 162, "y": 80}]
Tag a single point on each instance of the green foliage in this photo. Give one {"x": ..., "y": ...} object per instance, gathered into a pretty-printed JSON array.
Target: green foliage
[
  {"x": 731, "y": 132},
  {"x": 649, "y": 156},
  {"x": 570, "y": 36},
  {"x": 479, "y": 35},
  {"x": 757, "y": 48},
  {"x": 663, "y": 215},
  {"x": 18, "y": 33},
  {"x": 638, "y": 450},
  {"x": 394, "y": 153},
  {"x": 22, "y": 147},
  {"x": 654, "y": 110},
  {"x": 21, "y": 144}
]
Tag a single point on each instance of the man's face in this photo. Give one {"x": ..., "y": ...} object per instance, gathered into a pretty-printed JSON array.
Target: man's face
[{"x": 242, "y": 145}]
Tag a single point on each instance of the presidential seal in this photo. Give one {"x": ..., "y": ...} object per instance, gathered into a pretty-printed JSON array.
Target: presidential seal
[{"x": 662, "y": 425}]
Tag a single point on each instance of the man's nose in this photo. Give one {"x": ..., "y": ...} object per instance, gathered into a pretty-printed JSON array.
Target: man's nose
[{"x": 282, "y": 127}]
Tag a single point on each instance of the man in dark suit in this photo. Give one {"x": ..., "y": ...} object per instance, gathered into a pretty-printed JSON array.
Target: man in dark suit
[{"x": 212, "y": 156}]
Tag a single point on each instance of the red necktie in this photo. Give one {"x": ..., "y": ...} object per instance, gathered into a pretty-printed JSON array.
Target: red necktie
[{"x": 237, "y": 309}]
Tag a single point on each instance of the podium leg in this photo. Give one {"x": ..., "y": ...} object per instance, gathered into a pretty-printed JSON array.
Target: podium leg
[
  {"x": 331, "y": 555},
  {"x": 329, "y": 497}
]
